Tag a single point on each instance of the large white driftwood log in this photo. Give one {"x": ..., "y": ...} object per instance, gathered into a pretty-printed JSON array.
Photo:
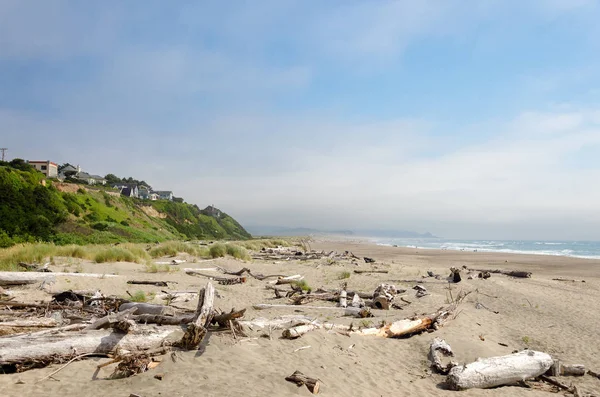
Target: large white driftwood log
[
  {"x": 298, "y": 330},
  {"x": 276, "y": 323},
  {"x": 53, "y": 347},
  {"x": 498, "y": 371},
  {"x": 20, "y": 278},
  {"x": 287, "y": 280}
]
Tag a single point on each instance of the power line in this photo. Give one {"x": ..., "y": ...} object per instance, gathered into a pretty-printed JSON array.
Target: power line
[{"x": 3, "y": 150}]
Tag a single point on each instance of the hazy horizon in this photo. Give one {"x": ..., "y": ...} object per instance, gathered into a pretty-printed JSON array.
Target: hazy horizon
[{"x": 476, "y": 120}]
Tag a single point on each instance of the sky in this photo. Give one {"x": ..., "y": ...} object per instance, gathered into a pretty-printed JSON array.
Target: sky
[{"x": 468, "y": 119}]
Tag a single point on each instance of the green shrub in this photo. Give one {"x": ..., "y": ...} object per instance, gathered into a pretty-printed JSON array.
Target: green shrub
[
  {"x": 237, "y": 252},
  {"x": 124, "y": 223},
  {"x": 343, "y": 275},
  {"x": 303, "y": 285},
  {"x": 100, "y": 226},
  {"x": 5, "y": 240},
  {"x": 139, "y": 296}
]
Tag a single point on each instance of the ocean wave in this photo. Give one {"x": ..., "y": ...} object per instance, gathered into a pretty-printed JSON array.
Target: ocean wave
[{"x": 575, "y": 250}]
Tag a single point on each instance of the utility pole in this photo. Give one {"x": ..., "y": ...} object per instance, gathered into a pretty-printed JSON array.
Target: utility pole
[{"x": 3, "y": 150}]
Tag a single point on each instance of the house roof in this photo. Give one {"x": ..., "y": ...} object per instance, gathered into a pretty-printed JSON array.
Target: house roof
[
  {"x": 84, "y": 175},
  {"x": 97, "y": 177},
  {"x": 162, "y": 192},
  {"x": 42, "y": 162},
  {"x": 69, "y": 168}
]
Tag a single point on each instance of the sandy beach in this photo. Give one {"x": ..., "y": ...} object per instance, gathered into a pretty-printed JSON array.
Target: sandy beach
[{"x": 556, "y": 317}]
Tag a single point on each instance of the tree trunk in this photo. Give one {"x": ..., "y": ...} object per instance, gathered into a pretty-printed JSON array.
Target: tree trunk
[
  {"x": 45, "y": 347},
  {"x": 497, "y": 371},
  {"x": 197, "y": 330}
]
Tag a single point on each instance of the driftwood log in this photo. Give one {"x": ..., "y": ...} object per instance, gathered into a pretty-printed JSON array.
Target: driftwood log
[
  {"x": 21, "y": 278},
  {"x": 343, "y": 298},
  {"x": 397, "y": 329},
  {"x": 439, "y": 346},
  {"x": 300, "y": 379},
  {"x": 44, "y": 322},
  {"x": 197, "y": 330},
  {"x": 370, "y": 271},
  {"x": 383, "y": 296},
  {"x": 46, "y": 347},
  {"x": 148, "y": 308},
  {"x": 220, "y": 280},
  {"x": 510, "y": 273},
  {"x": 288, "y": 279},
  {"x": 498, "y": 371},
  {"x": 142, "y": 282},
  {"x": 560, "y": 369}
]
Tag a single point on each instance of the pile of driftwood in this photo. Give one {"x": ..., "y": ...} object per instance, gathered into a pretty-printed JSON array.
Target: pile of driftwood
[
  {"x": 350, "y": 303},
  {"x": 290, "y": 253},
  {"x": 77, "y": 326}
]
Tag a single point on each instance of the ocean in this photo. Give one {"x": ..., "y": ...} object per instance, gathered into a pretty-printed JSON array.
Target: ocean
[{"x": 576, "y": 249}]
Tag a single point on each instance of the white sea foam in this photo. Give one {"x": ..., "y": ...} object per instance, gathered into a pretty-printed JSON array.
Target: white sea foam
[{"x": 588, "y": 250}]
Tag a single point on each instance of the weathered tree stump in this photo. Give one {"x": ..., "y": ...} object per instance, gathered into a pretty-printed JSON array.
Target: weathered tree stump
[
  {"x": 197, "y": 330},
  {"x": 300, "y": 379},
  {"x": 440, "y": 346}
]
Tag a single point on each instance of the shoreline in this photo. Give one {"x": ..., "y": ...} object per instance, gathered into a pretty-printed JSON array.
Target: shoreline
[{"x": 373, "y": 240}]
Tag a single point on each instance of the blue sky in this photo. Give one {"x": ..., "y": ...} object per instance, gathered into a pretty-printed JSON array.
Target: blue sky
[{"x": 468, "y": 119}]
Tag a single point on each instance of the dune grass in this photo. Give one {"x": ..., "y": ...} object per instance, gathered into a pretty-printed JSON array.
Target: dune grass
[
  {"x": 258, "y": 244},
  {"x": 171, "y": 248},
  {"x": 46, "y": 252},
  {"x": 138, "y": 296},
  {"x": 129, "y": 252},
  {"x": 218, "y": 250}
]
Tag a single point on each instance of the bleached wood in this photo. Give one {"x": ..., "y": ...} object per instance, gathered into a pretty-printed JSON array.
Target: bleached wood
[
  {"x": 148, "y": 308},
  {"x": 343, "y": 298},
  {"x": 57, "y": 347},
  {"x": 298, "y": 331},
  {"x": 20, "y": 278},
  {"x": 440, "y": 347},
  {"x": 357, "y": 312},
  {"x": 38, "y": 322},
  {"x": 197, "y": 330},
  {"x": 357, "y": 301},
  {"x": 287, "y": 280},
  {"x": 497, "y": 371},
  {"x": 276, "y": 323}
]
